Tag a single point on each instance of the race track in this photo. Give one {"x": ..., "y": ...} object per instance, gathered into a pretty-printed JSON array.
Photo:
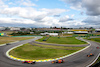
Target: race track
[{"x": 77, "y": 60}]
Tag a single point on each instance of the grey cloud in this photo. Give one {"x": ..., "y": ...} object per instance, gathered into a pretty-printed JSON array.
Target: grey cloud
[
  {"x": 22, "y": 25},
  {"x": 92, "y": 7},
  {"x": 65, "y": 19},
  {"x": 39, "y": 18},
  {"x": 16, "y": 25},
  {"x": 57, "y": 15},
  {"x": 92, "y": 20},
  {"x": 82, "y": 13},
  {"x": 74, "y": 3}
]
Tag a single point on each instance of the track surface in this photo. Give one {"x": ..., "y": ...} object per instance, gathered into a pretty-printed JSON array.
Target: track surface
[{"x": 76, "y": 60}]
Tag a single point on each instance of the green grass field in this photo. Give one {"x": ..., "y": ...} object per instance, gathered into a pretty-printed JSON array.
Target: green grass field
[
  {"x": 95, "y": 39},
  {"x": 63, "y": 40},
  {"x": 28, "y": 51},
  {"x": 4, "y": 40},
  {"x": 59, "y": 47}
]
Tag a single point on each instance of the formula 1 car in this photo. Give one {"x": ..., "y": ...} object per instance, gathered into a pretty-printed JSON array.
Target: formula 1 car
[
  {"x": 58, "y": 61},
  {"x": 98, "y": 47},
  {"x": 29, "y": 62},
  {"x": 90, "y": 55},
  {"x": 8, "y": 44}
]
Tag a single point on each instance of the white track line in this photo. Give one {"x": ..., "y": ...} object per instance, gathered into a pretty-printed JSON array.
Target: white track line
[
  {"x": 7, "y": 53},
  {"x": 94, "y": 60},
  {"x": 10, "y": 43}
]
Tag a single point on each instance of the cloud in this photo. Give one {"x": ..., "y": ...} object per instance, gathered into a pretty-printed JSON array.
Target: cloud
[
  {"x": 29, "y": 16},
  {"x": 46, "y": 22},
  {"x": 81, "y": 13},
  {"x": 47, "y": 17},
  {"x": 14, "y": 20},
  {"x": 75, "y": 4},
  {"x": 65, "y": 19},
  {"x": 31, "y": 13},
  {"x": 92, "y": 8},
  {"x": 93, "y": 20},
  {"x": 28, "y": 3},
  {"x": 89, "y": 6},
  {"x": 57, "y": 15},
  {"x": 2, "y": 4},
  {"x": 52, "y": 12},
  {"x": 72, "y": 15}
]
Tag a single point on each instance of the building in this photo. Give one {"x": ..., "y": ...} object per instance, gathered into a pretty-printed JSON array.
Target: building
[
  {"x": 68, "y": 32},
  {"x": 47, "y": 29},
  {"x": 2, "y": 28},
  {"x": 51, "y": 34},
  {"x": 15, "y": 29},
  {"x": 80, "y": 32},
  {"x": 97, "y": 30}
]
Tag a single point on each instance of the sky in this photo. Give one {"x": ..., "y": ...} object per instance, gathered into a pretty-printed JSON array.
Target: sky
[{"x": 50, "y": 13}]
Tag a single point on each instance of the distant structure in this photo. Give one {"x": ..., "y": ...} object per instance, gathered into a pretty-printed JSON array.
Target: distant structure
[
  {"x": 97, "y": 30},
  {"x": 51, "y": 34},
  {"x": 14, "y": 29},
  {"x": 2, "y": 28},
  {"x": 80, "y": 32},
  {"x": 78, "y": 29},
  {"x": 47, "y": 29}
]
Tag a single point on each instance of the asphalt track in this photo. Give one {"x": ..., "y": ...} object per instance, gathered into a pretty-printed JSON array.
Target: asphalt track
[{"x": 77, "y": 60}]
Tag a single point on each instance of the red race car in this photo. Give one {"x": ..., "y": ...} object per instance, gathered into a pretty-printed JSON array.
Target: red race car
[
  {"x": 29, "y": 62},
  {"x": 98, "y": 47},
  {"x": 58, "y": 61}
]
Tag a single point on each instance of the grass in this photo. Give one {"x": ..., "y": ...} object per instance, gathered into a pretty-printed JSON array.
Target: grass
[
  {"x": 59, "y": 47},
  {"x": 98, "y": 60},
  {"x": 28, "y": 51},
  {"x": 68, "y": 34},
  {"x": 74, "y": 34},
  {"x": 62, "y": 40},
  {"x": 12, "y": 39},
  {"x": 95, "y": 39}
]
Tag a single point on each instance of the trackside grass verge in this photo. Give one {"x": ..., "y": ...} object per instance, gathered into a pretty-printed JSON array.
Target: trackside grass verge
[
  {"x": 63, "y": 40},
  {"x": 12, "y": 39},
  {"x": 98, "y": 60},
  {"x": 95, "y": 39},
  {"x": 28, "y": 51},
  {"x": 59, "y": 47}
]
